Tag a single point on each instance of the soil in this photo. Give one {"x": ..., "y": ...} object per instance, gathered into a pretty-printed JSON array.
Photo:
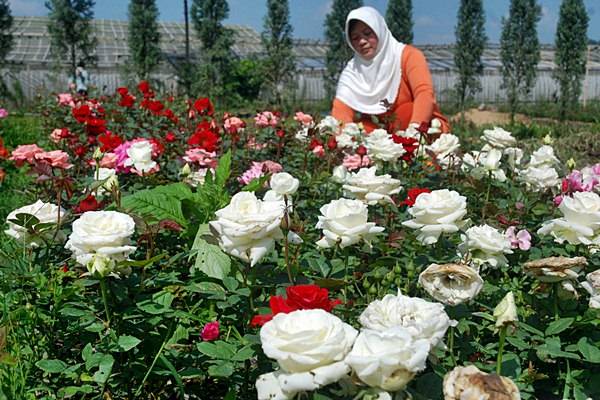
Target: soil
[{"x": 487, "y": 117}]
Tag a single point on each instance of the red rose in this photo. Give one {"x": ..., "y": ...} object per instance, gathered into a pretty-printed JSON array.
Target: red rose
[
  {"x": 170, "y": 137},
  {"x": 127, "y": 101},
  {"x": 154, "y": 106},
  {"x": 280, "y": 133},
  {"x": 204, "y": 106},
  {"x": 80, "y": 150},
  {"x": 144, "y": 87},
  {"x": 123, "y": 91},
  {"x": 109, "y": 142},
  {"x": 88, "y": 204},
  {"x": 361, "y": 150},
  {"x": 314, "y": 143},
  {"x": 204, "y": 138},
  {"x": 308, "y": 297},
  {"x": 412, "y": 195},
  {"x": 210, "y": 331},
  {"x": 95, "y": 126},
  {"x": 81, "y": 113},
  {"x": 423, "y": 127},
  {"x": 332, "y": 143}
]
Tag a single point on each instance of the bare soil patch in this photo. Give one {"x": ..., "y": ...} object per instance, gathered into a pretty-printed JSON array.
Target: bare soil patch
[{"x": 488, "y": 117}]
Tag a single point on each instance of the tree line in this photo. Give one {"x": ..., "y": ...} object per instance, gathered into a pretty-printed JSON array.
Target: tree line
[{"x": 217, "y": 72}]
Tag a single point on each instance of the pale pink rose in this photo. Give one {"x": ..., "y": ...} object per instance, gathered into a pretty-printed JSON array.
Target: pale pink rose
[
  {"x": 271, "y": 167},
  {"x": 58, "y": 134},
  {"x": 56, "y": 158},
  {"x": 355, "y": 161},
  {"x": 596, "y": 169},
  {"x": 319, "y": 151},
  {"x": 65, "y": 99},
  {"x": 304, "y": 119},
  {"x": 109, "y": 160},
  {"x": 520, "y": 240},
  {"x": 3, "y": 113},
  {"x": 25, "y": 152},
  {"x": 234, "y": 125},
  {"x": 202, "y": 157},
  {"x": 266, "y": 119},
  {"x": 254, "y": 145},
  {"x": 258, "y": 169}
]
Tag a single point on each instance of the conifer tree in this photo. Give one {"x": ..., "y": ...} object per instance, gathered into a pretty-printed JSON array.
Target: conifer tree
[
  {"x": 470, "y": 42},
  {"x": 216, "y": 42},
  {"x": 399, "y": 19},
  {"x": 338, "y": 52},
  {"x": 519, "y": 50},
  {"x": 571, "y": 52},
  {"x": 279, "y": 64},
  {"x": 144, "y": 37},
  {"x": 71, "y": 31},
  {"x": 6, "y": 37}
]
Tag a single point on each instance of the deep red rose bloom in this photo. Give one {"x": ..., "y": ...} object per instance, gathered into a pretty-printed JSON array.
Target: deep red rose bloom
[
  {"x": 123, "y": 91},
  {"x": 109, "y": 142},
  {"x": 95, "y": 126},
  {"x": 423, "y": 127},
  {"x": 280, "y": 133},
  {"x": 155, "y": 106},
  {"x": 127, "y": 101},
  {"x": 314, "y": 143},
  {"x": 204, "y": 106},
  {"x": 170, "y": 137},
  {"x": 204, "y": 138},
  {"x": 144, "y": 87},
  {"x": 170, "y": 115},
  {"x": 361, "y": 150},
  {"x": 308, "y": 297},
  {"x": 80, "y": 150},
  {"x": 412, "y": 195},
  {"x": 210, "y": 331},
  {"x": 88, "y": 204},
  {"x": 81, "y": 113},
  {"x": 332, "y": 143},
  {"x": 4, "y": 153}
]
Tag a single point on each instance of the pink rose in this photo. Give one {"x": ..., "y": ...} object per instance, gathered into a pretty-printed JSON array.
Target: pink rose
[
  {"x": 254, "y": 145},
  {"x": 520, "y": 240},
  {"x": 304, "y": 119},
  {"x": 234, "y": 124},
  {"x": 25, "y": 152},
  {"x": 56, "y": 158},
  {"x": 557, "y": 200},
  {"x": 266, "y": 119},
  {"x": 354, "y": 161},
  {"x": 3, "y": 113},
  {"x": 202, "y": 157},
  {"x": 258, "y": 169},
  {"x": 318, "y": 150},
  {"x": 271, "y": 166},
  {"x": 109, "y": 160},
  {"x": 65, "y": 99},
  {"x": 210, "y": 331}
]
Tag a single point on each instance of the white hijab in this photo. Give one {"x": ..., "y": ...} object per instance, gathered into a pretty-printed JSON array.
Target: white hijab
[{"x": 364, "y": 84}]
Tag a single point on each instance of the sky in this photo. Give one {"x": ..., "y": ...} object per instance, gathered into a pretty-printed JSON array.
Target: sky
[{"x": 434, "y": 20}]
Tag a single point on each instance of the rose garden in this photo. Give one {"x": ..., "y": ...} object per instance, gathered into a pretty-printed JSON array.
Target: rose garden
[{"x": 171, "y": 250}]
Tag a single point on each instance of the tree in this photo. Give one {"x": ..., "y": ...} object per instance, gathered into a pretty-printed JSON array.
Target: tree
[
  {"x": 571, "y": 52},
  {"x": 70, "y": 29},
  {"x": 279, "y": 64},
  {"x": 6, "y": 37},
  {"x": 216, "y": 43},
  {"x": 470, "y": 42},
  {"x": 338, "y": 52},
  {"x": 519, "y": 50},
  {"x": 144, "y": 37},
  {"x": 399, "y": 20}
]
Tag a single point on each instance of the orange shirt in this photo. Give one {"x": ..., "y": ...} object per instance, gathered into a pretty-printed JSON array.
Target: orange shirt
[{"x": 415, "y": 101}]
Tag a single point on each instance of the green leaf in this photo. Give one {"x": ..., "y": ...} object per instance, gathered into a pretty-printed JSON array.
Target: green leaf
[
  {"x": 518, "y": 342},
  {"x": 223, "y": 169},
  {"x": 243, "y": 354},
  {"x": 217, "y": 350},
  {"x": 590, "y": 352},
  {"x": 558, "y": 326},
  {"x": 256, "y": 183},
  {"x": 27, "y": 221},
  {"x": 51, "y": 366},
  {"x": 128, "y": 342},
  {"x": 105, "y": 368},
  {"x": 159, "y": 203},
  {"x": 174, "y": 372},
  {"x": 222, "y": 369},
  {"x": 210, "y": 259}
]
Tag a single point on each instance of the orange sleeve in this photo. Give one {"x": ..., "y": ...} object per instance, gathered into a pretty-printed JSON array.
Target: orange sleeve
[
  {"x": 421, "y": 86},
  {"x": 342, "y": 112}
]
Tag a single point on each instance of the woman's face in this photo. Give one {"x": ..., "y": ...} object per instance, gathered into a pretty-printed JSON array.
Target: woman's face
[{"x": 364, "y": 40}]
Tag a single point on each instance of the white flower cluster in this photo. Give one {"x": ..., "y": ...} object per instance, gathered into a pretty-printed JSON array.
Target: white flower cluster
[
  {"x": 367, "y": 186},
  {"x": 486, "y": 245},
  {"x": 45, "y": 213},
  {"x": 380, "y": 146},
  {"x": 540, "y": 174},
  {"x": 444, "y": 149},
  {"x": 140, "y": 157}
]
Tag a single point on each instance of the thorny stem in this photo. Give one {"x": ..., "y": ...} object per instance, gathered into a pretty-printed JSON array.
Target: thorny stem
[{"x": 500, "y": 350}]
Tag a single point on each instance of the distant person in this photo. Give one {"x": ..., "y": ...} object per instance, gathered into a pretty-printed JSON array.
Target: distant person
[
  {"x": 385, "y": 78},
  {"x": 81, "y": 80}
]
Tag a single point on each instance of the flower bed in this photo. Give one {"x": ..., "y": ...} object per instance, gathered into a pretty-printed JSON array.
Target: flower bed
[{"x": 177, "y": 252}]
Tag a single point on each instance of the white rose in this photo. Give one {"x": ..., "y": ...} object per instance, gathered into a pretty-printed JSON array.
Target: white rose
[
  {"x": 140, "y": 156},
  {"x": 275, "y": 199},
  {"x": 592, "y": 285},
  {"x": 539, "y": 179},
  {"x": 339, "y": 174},
  {"x": 109, "y": 178},
  {"x": 352, "y": 129},
  {"x": 329, "y": 124},
  {"x": 248, "y": 227},
  {"x": 344, "y": 222},
  {"x": 486, "y": 245},
  {"x": 380, "y": 146},
  {"x": 197, "y": 178},
  {"x": 344, "y": 140},
  {"x": 445, "y": 148},
  {"x": 366, "y": 186},
  {"x": 469, "y": 383},
  {"x": 388, "y": 359},
  {"x": 440, "y": 211},
  {"x": 544, "y": 156},
  {"x": 506, "y": 311},
  {"x": 103, "y": 233},
  {"x": 483, "y": 164},
  {"x": 580, "y": 222},
  {"x": 422, "y": 319},
  {"x": 498, "y": 138},
  {"x": 284, "y": 183},
  {"x": 451, "y": 283},
  {"x": 302, "y": 135},
  {"x": 514, "y": 156},
  {"x": 310, "y": 347},
  {"x": 46, "y": 213}
]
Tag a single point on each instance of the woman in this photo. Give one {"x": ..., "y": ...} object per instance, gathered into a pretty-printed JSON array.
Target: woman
[{"x": 385, "y": 78}]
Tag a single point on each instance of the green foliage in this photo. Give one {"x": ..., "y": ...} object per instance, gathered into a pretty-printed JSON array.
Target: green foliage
[
  {"x": 519, "y": 50},
  {"x": 144, "y": 37},
  {"x": 570, "y": 56},
  {"x": 6, "y": 36},
  {"x": 338, "y": 52},
  {"x": 470, "y": 42},
  {"x": 216, "y": 41},
  {"x": 399, "y": 19},
  {"x": 280, "y": 63},
  {"x": 71, "y": 31}
]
